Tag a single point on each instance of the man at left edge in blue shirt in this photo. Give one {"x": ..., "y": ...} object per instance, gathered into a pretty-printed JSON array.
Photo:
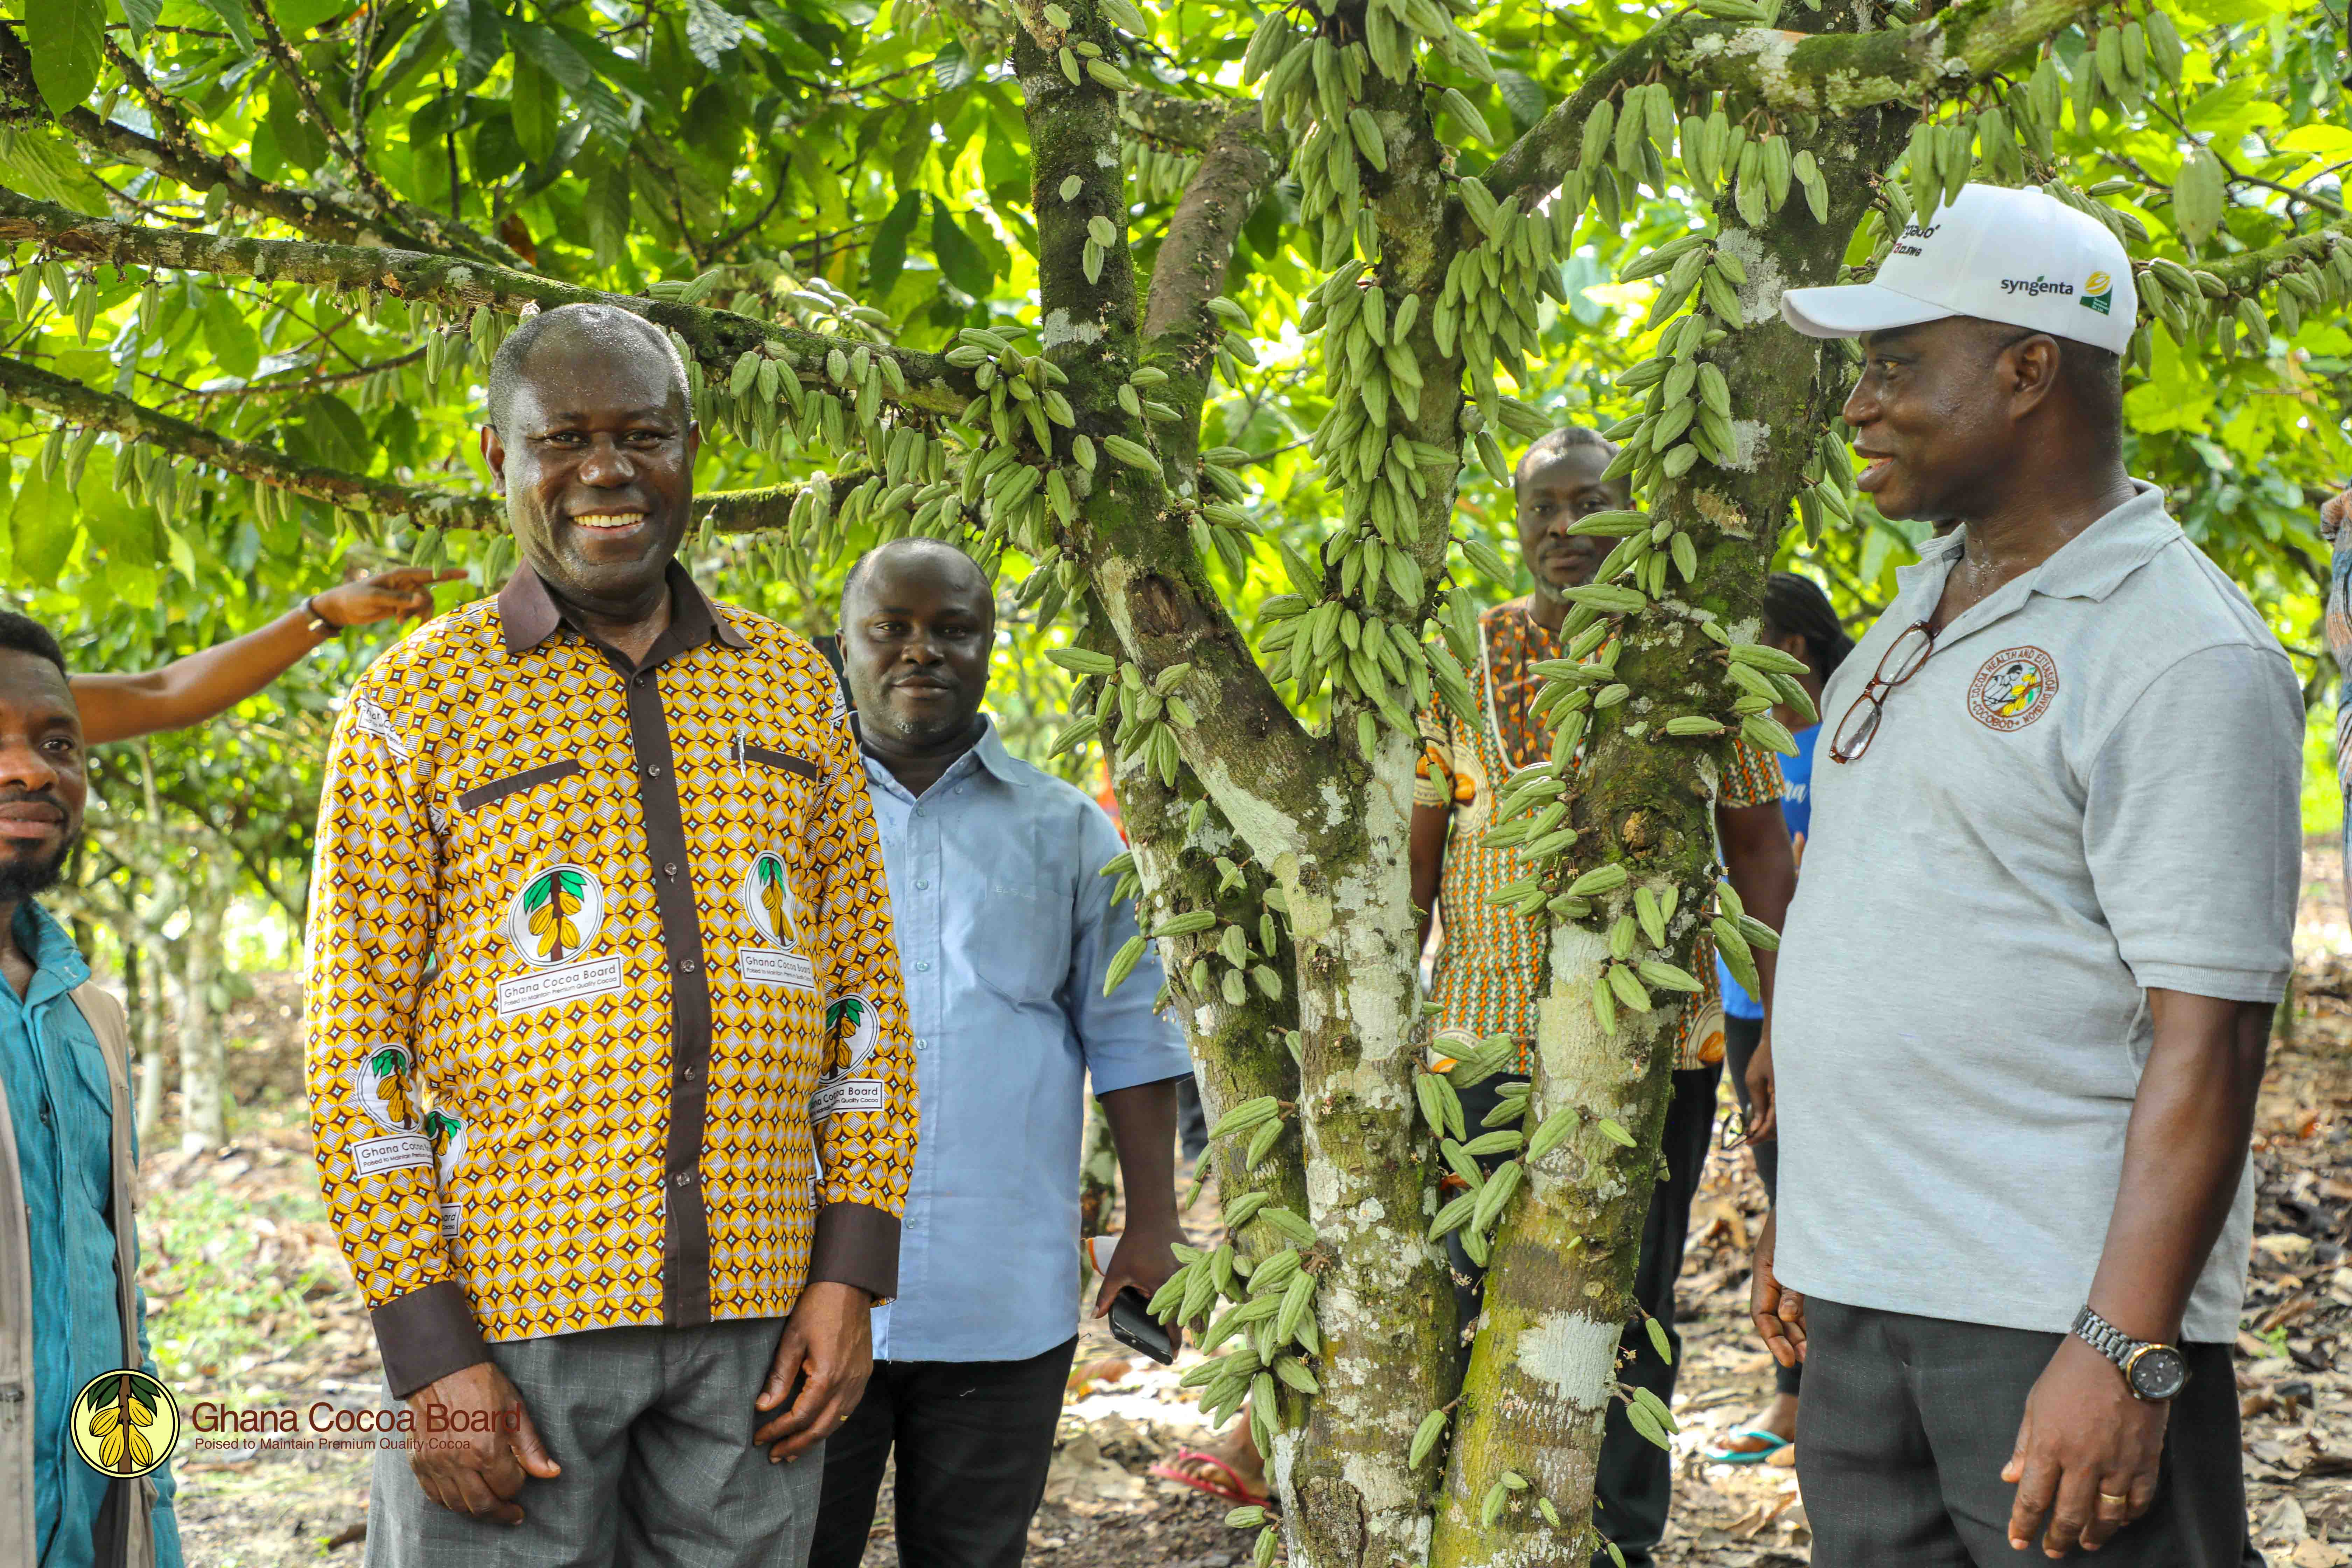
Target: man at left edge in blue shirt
[
  {"x": 58, "y": 1139},
  {"x": 1005, "y": 935}
]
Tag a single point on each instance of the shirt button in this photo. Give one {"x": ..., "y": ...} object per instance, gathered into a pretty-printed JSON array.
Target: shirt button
[
  {"x": 918, "y": 811},
  {"x": 682, "y": 1178},
  {"x": 922, "y": 1044},
  {"x": 693, "y": 1073},
  {"x": 925, "y": 966},
  {"x": 688, "y": 966},
  {"x": 653, "y": 771},
  {"x": 923, "y": 883},
  {"x": 670, "y": 871}
]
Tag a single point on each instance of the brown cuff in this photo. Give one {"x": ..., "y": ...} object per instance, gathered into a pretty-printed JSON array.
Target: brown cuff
[
  {"x": 856, "y": 1245},
  {"x": 428, "y": 1334}
]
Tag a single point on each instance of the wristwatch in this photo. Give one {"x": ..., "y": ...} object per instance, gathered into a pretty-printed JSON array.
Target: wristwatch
[
  {"x": 2154, "y": 1372},
  {"x": 319, "y": 625}
]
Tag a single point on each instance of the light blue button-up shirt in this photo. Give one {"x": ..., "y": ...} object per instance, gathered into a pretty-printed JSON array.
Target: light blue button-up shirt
[
  {"x": 1005, "y": 934},
  {"x": 54, "y": 1078}
]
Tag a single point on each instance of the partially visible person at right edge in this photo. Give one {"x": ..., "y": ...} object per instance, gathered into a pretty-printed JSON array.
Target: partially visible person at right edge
[
  {"x": 2334, "y": 514},
  {"x": 2047, "y": 907},
  {"x": 1798, "y": 621}
]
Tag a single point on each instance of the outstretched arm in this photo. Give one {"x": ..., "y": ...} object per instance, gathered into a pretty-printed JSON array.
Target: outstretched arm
[{"x": 189, "y": 690}]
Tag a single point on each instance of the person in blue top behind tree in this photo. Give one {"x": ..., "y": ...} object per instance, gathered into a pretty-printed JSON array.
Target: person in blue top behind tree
[{"x": 1798, "y": 620}]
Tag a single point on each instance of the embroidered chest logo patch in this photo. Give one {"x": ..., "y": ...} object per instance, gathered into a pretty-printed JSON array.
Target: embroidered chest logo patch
[
  {"x": 2013, "y": 688},
  {"x": 557, "y": 913},
  {"x": 551, "y": 921},
  {"x": 774, "y": 913}
]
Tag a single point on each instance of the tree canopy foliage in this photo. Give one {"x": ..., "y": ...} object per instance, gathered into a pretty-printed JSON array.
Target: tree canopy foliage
[{"x": 1192, "y": 318}]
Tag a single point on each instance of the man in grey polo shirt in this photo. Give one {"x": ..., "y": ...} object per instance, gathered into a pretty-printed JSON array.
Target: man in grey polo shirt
[{"x": 2026, "y": 986}]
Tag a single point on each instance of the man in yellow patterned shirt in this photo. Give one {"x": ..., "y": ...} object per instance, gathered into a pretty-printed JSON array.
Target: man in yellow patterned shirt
[
  {"x": 610, "y": 1087},
  {"x": 1490, "y": 969}
]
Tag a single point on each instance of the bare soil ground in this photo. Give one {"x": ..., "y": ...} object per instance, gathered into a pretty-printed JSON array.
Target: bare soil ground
[{"x": 253, "y": 1307}]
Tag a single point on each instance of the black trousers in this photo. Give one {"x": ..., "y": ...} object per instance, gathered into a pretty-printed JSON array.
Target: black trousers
[
  {"x": 1908, "y": 1421},
  {"x": 1740, "y": 1038},
  {"x": 974, "y": 1439},
  {"x": 1636, "y": 1480}
]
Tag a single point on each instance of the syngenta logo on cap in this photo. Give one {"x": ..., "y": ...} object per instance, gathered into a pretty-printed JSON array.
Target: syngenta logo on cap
[
  {"x": 2035, "y": 286},
  {"x": 2098, "y": 292}
]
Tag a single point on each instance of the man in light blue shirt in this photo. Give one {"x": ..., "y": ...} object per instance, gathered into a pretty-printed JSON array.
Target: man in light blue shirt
[
  {"x": 60, "y": 1307},
  {"x": 1006, "y": 934}
]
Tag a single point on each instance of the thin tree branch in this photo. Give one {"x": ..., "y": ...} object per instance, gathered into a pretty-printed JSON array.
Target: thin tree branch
[
  {"x": 86, "y": 407},
  {"x": 730, "y": 512},
  {"x": 448, "y": 234},
  {"x": 1240, "y": 166},
  {"x": 1188, "y": 121},
  {"x": 176, "y": 156},
  {"x": 716, "y": 338}
]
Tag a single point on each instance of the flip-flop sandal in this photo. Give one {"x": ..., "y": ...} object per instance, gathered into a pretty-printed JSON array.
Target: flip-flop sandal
[
  {"x": 1237, "y": 1492},
  {"x": 1773, "y": 1441}
]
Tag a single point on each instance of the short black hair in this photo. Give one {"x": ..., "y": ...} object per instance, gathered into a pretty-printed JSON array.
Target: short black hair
[
  {"x": 1796, "y": 606},
  {"x": 857, "y": 568},
  {"x": 1552, "y": 443},
  {"x": 608, "y": 322},
  {"x": 22, "y": 634}
]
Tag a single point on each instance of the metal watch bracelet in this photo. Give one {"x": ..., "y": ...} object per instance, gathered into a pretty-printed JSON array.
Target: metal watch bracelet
[{"x": 2153, "y": 1372}]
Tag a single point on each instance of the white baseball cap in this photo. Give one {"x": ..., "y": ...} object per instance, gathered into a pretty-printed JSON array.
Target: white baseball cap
[{"x": 1997, "y": 254}]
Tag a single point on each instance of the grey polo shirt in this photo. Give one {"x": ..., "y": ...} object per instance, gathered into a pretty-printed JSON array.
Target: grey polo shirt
[{"x": 2091, "y": 789}]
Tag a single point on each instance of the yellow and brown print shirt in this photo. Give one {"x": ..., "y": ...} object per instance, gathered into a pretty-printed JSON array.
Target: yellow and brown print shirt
[
  {"x": 604, "y": 1017},
  {"x": 1490, "y": 968}
]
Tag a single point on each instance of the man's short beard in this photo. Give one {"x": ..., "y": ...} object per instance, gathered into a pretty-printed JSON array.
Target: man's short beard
[
  {"x": 21, "y": 879},
  {"x": 926, "y": 732}
]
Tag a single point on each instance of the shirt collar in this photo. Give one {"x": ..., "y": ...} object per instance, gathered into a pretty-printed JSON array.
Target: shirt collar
[
  {"x": 55, "y": 958},
  {"x": 2091, "y": 565},
  {"x": 986, "y": 754},
  {"x": 528, "y": 614},
  {"x": 990, "y": 752}
]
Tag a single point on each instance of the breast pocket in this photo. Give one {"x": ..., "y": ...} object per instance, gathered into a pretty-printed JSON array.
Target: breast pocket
[
  {"x": 1019, "y": 943},
  {"x": 781, "y": 780},
  {"x": 496, "y": 789}
]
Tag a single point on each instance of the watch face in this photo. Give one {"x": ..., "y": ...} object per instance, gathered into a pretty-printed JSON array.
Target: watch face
[{"x": 2158, "y": 1373}]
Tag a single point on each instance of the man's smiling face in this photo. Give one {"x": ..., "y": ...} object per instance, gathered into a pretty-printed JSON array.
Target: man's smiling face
[
  {"x": 42, "y": 783},
  {"x": 1556, "y": 490},
  {"x": 598, "y": 464}
]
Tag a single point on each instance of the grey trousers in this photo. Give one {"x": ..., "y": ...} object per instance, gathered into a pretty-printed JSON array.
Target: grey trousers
[
  {"x": 653, "y": 1428},
  {"x": 1908, "y": 1421}
]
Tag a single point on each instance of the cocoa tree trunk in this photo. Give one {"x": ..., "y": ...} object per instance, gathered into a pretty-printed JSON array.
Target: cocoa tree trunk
[{"x": 204, "y": 1055}]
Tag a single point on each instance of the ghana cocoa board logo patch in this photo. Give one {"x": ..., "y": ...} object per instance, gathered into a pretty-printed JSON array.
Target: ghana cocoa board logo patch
[{"x": 2013, "y": 687}]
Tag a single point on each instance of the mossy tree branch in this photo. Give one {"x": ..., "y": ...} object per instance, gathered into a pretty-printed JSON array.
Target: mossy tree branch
[
  {"x": 73, "y": 403},
  {"x": 716, "y": 338},
  {"x": 1830, "y": 72},
  {"x": 175, "y": 155}
]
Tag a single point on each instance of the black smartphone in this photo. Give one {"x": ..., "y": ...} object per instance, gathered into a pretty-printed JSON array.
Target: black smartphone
[{"x": 1134, "y": 1327}]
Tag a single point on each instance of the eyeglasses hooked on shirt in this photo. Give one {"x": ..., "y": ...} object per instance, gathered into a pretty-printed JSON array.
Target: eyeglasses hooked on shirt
[{"x": 1905, "y": 656}]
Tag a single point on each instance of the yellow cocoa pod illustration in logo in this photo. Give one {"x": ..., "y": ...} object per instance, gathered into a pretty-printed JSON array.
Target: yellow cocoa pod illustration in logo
[
  {"x": 554, "y": 903},
  {"x": 125, "y": 1422},
  {"x": 391, "y": 1087},
  {"x": 775, "y": 899}
]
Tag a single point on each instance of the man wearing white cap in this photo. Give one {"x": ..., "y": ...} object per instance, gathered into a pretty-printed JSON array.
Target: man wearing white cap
[{"x": 2048, "y": 905}]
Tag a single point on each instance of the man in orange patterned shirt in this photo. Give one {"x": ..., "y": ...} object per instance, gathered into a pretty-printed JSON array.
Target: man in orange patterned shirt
[
  {"x": 1490, "y": 970},
  {"x": 610, "y": 1087}
]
